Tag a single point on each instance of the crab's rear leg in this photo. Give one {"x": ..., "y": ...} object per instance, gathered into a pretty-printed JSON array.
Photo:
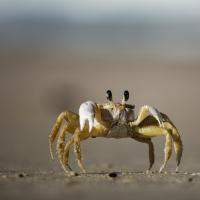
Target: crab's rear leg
[
  {"x": 65, "y": 157},
  {"x": 54, "y": 131},
  {"x": 152, "y": 131},
  {"x": 167, "y": 150},
  {"x": 178, "y": 145},
  {"x": 77, "y": 149},
  {"x": 148, "y": 141},
  {"x": 61, "y": 148},
  {"x": 72, "y": 120}
]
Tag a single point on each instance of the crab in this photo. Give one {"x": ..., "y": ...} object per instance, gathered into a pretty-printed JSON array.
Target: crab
[{"x": 113, "y": 120}]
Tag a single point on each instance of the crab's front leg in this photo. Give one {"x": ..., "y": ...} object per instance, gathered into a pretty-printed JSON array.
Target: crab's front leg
[{"x": 144, "y": 112}]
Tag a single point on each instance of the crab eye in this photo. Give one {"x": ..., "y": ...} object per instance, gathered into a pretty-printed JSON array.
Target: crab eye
[
  {"x": 126, "y": 95},
  {"x": 109, "y": 95}
]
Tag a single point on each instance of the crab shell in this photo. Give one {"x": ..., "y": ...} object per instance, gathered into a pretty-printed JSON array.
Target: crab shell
[{"x": 116, "y": 115}]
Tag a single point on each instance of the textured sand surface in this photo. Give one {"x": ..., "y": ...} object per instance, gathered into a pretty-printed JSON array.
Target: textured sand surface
[{"x": 113, "y": 185}]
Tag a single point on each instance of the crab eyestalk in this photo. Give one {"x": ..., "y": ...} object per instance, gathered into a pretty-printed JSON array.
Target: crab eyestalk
[
  {"x": 109, "y": 95},
  {"x": 125, "y": 97}
]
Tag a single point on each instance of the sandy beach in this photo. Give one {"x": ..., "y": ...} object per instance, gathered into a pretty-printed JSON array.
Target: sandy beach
[{"x": 103, "y": 185}]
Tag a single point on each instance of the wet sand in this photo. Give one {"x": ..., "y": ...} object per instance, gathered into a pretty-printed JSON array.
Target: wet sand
[{"x": 111, "y": 185}]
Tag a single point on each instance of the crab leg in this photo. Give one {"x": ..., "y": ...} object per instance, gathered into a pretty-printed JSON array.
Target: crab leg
[
  {"x": 178, "y": 145},
  {"x": 73, "y": 122},
  {"x": 167, "y": 150},
  {"x": 151, "y": 148},
  {"x": 61, "y": 145},
  {"x": 65, "y": 157},
  {"x": 77, "y": 150},
  {"x": 152, "y": 131},
  {"x": 54, "y": 132}
]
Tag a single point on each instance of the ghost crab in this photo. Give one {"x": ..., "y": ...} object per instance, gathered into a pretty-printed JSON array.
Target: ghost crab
[{"x": 113, "y": 120}]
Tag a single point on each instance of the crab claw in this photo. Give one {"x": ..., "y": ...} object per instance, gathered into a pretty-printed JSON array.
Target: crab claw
[{"x": 87, "y": 114}]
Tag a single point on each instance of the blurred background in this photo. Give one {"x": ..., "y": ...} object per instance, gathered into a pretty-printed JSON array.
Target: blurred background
[{"x": 56, "y": 54}]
